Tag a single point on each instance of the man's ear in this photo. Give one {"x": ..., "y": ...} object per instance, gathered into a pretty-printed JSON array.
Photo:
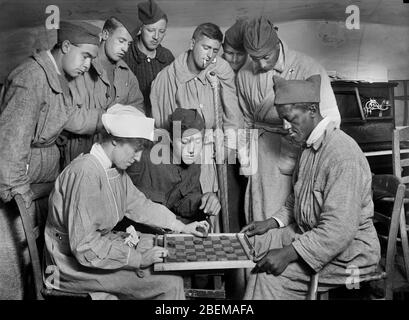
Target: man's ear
[
  {"x": 104, "y": 35},
  {"x": 192, "y": 44},
  {"x": 313, "y": 108},
  {"x": 65, "y": 46}
]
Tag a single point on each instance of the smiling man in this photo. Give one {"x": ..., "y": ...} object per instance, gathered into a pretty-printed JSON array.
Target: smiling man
[
  {"x": 146, "y": 56},
  {"x": 186, "y": 83},
  {"x": 270, "y": 185},
  {"x": 326, "y": 223},
  {"x": 109, "y": 81}
]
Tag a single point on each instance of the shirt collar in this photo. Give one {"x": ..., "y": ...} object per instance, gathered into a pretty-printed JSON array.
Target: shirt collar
[
  {"x": 315, "y": 138},
  {"x": 98, "y": 152},
  {"x": 183, "y": 73},
  {"x": 141, "y": 57},
  {"x": 53, "y": 61},
  {"x": 98, "y": 66}
]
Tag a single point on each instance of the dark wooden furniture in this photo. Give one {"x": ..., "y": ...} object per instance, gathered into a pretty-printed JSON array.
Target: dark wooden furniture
[
  {"x": 371, "y": 128},
  {"x": 388, "y": 226}
]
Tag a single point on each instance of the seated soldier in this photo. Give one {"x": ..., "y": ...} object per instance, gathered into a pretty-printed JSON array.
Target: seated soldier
[
  {"x": 177, "y": 185},
  {"x": 90, "y": 196},
  {"x": 326, "y": 223}
]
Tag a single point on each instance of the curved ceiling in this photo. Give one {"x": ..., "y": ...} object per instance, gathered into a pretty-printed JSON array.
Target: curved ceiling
[{"x": 187, "y": 13}]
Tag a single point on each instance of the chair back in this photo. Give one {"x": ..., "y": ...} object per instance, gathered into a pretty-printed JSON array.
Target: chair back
[
  {"x": 394, "y": 186},
  {"x": 400, "y": 138},
  {"x": 33, "y": 231}
]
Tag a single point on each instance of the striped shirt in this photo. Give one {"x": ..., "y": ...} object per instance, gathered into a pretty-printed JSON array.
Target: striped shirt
[{"x": 146, "y": 68}]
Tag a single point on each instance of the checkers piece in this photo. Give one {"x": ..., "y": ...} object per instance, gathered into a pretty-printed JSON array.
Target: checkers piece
[
  {"x": 197, "y": 241},
  {"x": 229, "y": 249},
  {"x": 191, "y": 258}
]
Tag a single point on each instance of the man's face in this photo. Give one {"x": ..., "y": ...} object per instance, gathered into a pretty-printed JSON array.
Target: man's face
[
  {"x": 153, "y": 34},
  {"x": 234, "y": 57},
  {"x": 204, "y": 51},
  {"x": 125, "y": 154},
  {"x": 188, "y": 148},
  {"x": 267, "y": 62},
  {"x": 116, "y": 43},
  {"x": 77, "y": 58},
  {"x": 300, "y": 121}
]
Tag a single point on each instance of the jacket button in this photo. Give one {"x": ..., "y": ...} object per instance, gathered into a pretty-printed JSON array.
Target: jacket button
[{"x": 140, "y": 273}]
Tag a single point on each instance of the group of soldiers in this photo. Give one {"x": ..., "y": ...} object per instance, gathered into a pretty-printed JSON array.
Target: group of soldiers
[{"x": 83, "y": 114}]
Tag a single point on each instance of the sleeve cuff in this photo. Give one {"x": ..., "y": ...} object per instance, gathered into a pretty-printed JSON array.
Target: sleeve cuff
[
  {"x": 20, "y": 189},
  {"x": 306, "y": 256},
  {"x": 178, "y": 226},
  {"x": 280, "y": 223},
  {"x": 134, "y": 258}
]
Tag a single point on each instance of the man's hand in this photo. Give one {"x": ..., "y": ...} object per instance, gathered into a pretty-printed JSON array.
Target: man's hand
[
  {"x": 276, "y": 260},
  {"x": 191, "y": 228},
  {"x": 153, "y": 255},
  {"x": 210, "y": 204},
  {"x": 259, "y": 227}
]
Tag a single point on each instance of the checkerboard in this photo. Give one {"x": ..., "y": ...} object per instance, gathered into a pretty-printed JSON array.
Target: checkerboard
[{"x": 217, "y": 251}]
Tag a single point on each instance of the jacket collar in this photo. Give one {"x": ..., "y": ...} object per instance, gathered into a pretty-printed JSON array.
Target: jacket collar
[
  {"x": 47, "y": 64},
  {"x": 327, "y": 133},
  {"x": 100, "y": 70},
  {"x": 183, "y": 74},
  {"x": 140, "y": 57}
]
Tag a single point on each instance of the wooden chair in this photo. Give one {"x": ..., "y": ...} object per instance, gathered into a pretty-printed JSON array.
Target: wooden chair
[
  {"x": 33, "y": 232},
  {"x": 392, "y": 187},
  {"x": 400, "y": 139}
]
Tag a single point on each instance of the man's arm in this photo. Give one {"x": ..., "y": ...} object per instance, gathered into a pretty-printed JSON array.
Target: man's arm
[
  {"x": 135, "y": 97},
  {"x": 161, "y": 99},
  {"x": 339, "y": 220},
  {"x": 142, "y": 210},
  {"x": 20, "y": 102},
  {"x": 92, "y": 247},
  {"x": 232, "y": 115}
]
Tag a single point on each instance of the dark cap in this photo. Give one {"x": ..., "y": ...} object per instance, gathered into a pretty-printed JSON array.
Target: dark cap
[
  {"x": 189, "y": 118},
  {"x": 78, "y": 32},
  {"x": 234, "y": 35},
  {"x": 149, "y": 12},
  {"x": 297, "y": 91},
  {"x": 260, "y": 37}
]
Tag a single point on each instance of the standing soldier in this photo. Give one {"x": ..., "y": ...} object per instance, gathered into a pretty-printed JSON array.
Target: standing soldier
[
  {"x": 146, "y": 56},
  {"x": 269, "y": 187},
  {"x": 186, "y": 83},
  {"x": 109, "y": 81},
  {"x": 35, "y": 105}
]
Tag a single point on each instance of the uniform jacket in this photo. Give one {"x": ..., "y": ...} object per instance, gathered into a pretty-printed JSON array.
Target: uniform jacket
[
  {"x": 332, "y": 205},
  {"x": 34, "y": 111}
]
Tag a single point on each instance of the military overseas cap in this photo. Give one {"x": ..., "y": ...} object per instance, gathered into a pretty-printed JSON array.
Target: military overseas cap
[
  {"x": 297, "y": 91},
  {"x": 123, "y": 122},
  {"x": 130, "y": 23},
  {"x": 78, "y": 32},
  {"x": 260, "y": 37},
  {"x": 189, "y": 118},
  {"x": 149, "y": 12},
  {"x": 234, "y": 35}
]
